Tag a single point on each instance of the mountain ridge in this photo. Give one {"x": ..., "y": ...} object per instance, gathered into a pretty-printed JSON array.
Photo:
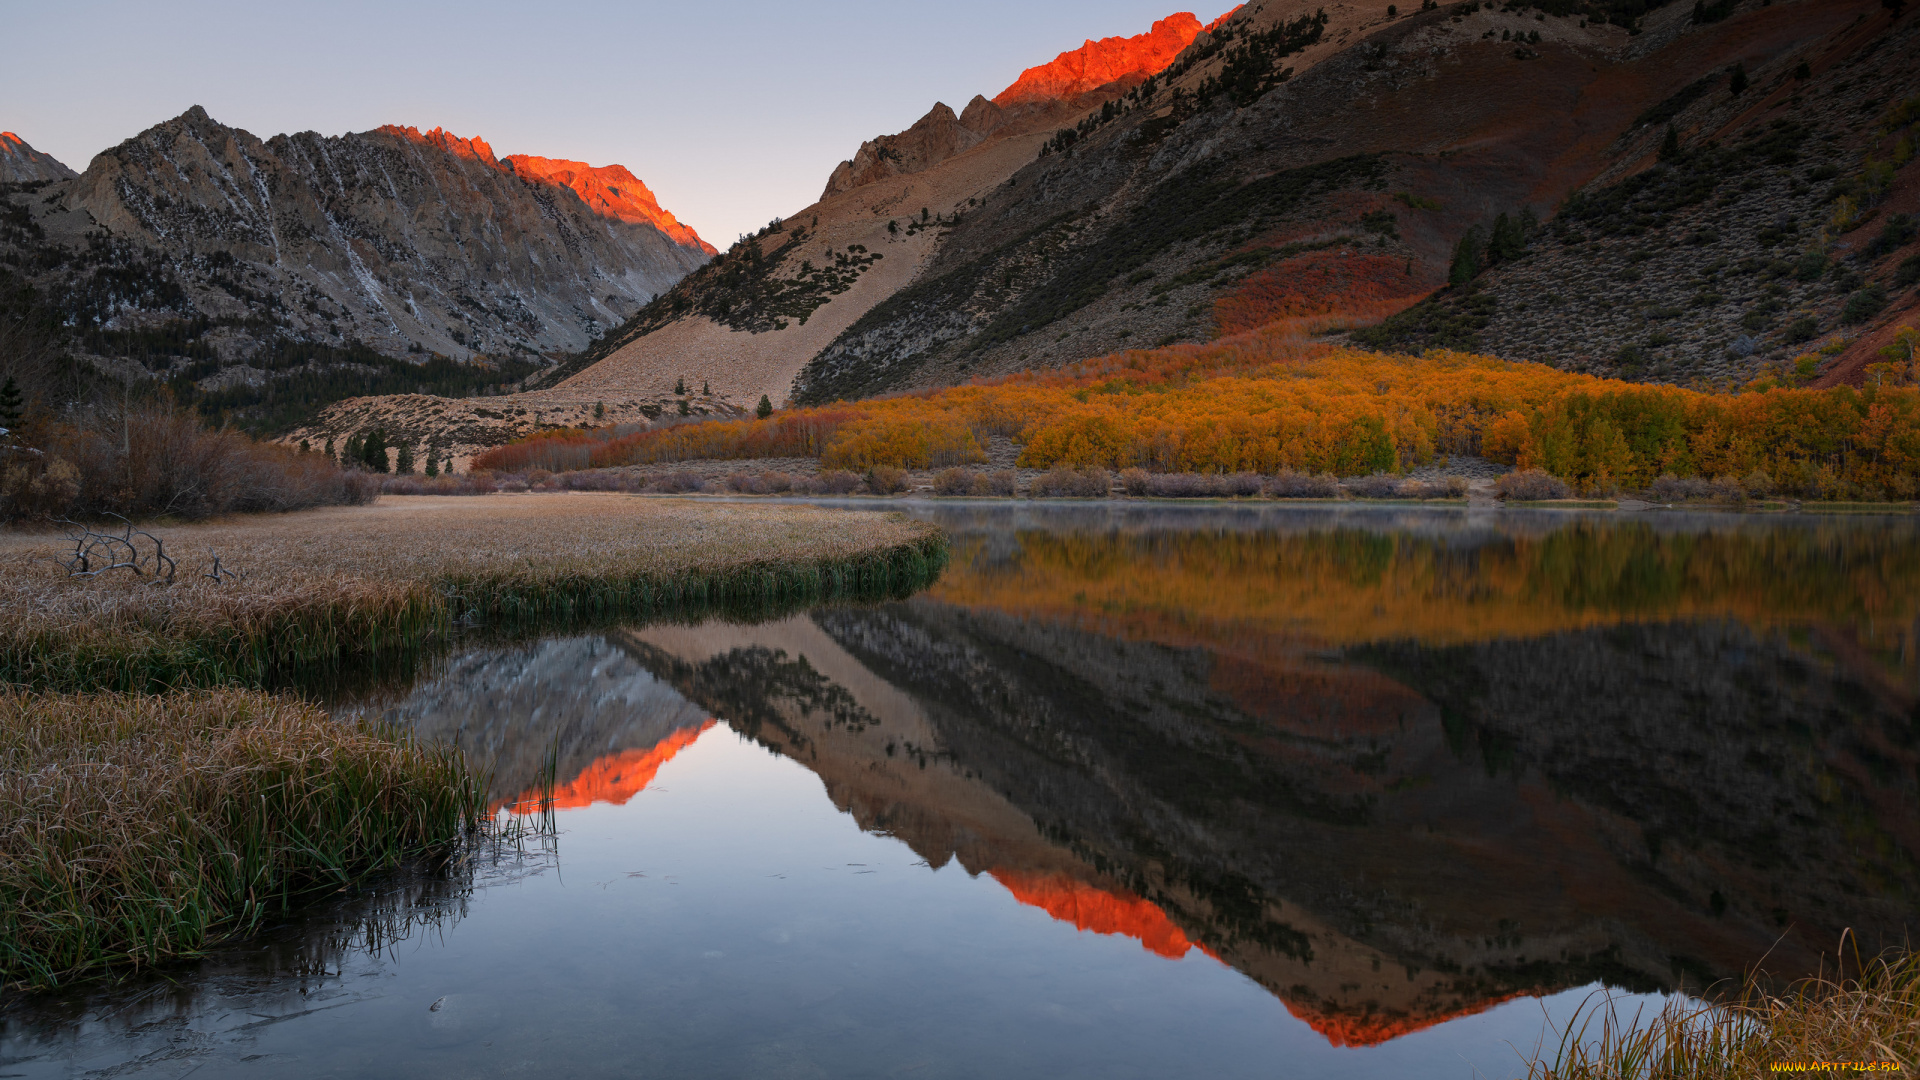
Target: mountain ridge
[
  {"x": 301, "y": 260},
  {"x": 22, "y": 164}
]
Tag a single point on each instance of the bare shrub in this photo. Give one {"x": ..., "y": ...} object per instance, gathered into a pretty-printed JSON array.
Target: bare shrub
[
  {"x": 955, "y": 481},
  {"x": 1296, "y": 485},
  {"x": 600, "y": 480},
  {"x": 777, "y": 482},
  {"x": 838, "y": 482},
  {"x": 678, "y": 482},
  {"x": 1377, "y": 486},
  {"x": 151, "y": 460},
  {"x": 1182, "y": 486},
  {"x": 1000, "y": 482},
  {"x": 886, "y": 480},
  {"x": 1758, "y": 484},
  {"x": 475, "y": 483},
  {"x": 1457, "y": 487},
  {"x": 1063, "y": 483},
  {"x": 1242, "y": 485},
  {"x": 1530, "y": 485},
  {"x": 1135, "y": 481}
]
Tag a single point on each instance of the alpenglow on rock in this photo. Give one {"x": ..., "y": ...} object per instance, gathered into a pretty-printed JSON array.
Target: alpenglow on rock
[
  {"x": 408, "y": 241},
  {"x": 22, "y": 164}
]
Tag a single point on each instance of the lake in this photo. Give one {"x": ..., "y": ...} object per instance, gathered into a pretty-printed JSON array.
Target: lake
[{"x": 1132, "y": 791}]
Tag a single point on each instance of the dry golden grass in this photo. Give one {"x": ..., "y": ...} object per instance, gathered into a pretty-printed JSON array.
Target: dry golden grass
[
  {"x": 133, "y": 828},
  {"x": 323, "y": 585},
  {"x": 1847, "y": 1025}
]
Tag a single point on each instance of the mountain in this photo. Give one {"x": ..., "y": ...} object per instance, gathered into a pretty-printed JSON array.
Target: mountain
[
  {"x": 1063, "y": 87},
  {"x": 269, "y": 274},
  {"x": 1109, "y": 60},
  {"x": 22, "y": 164},
  {"x": 612, "y": 192},
  {"x": 1265, "y": 176},
  {"x": 1292, "y": 160},
  {"x": 748, "y": 322}
]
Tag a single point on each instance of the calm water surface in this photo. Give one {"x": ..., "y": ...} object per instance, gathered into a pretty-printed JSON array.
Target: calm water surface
[{"x": 1223, "y": 792}]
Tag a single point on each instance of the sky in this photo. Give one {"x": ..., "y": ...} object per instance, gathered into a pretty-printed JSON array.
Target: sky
[{"x": 734, "y": 113}]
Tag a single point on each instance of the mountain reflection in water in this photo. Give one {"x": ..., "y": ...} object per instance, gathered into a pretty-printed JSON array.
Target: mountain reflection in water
[
  {"x": 1394, "y": 768},
  {"x": 1393, "y": 774}
]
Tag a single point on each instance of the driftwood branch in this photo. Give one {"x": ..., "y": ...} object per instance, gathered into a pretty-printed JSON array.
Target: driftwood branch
[{"x": 95, "y": 553}]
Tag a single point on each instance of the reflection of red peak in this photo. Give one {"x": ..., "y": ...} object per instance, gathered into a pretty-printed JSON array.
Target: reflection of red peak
[
  {"x": 1095, "y": 909},
  {"x": 1098, "y": 63},
  {"x": 1341, "y": 1029},
  {"x": 614, "y": 778},
  {"x": 612, "y": 191}
]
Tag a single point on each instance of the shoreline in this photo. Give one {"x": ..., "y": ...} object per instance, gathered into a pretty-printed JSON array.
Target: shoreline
[{"x": 319, "y": 590}]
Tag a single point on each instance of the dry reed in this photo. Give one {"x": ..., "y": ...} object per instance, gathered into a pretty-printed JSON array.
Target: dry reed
[
  {"x": 1866, "y": 1023},
  {"x": 324, "y": 586},
  {"x": 135, "y": 828}
]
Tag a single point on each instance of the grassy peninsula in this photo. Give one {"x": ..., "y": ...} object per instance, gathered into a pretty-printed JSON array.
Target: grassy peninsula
[
  {"x": 322, "y": 587},
  {"x": 154, "y": 798}
]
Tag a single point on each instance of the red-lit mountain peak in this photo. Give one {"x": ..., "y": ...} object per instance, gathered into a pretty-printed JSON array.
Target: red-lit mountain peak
[
  {"x": 475, "y": 148},
  {"x": 610, "y": 190},
  {"x": 1097, "y": 63}
]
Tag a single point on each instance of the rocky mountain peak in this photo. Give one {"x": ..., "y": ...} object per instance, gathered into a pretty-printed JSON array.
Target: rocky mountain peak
[
  {"x": 475, "y": 148},
  {"x": 612, "y": 191},
  {"x": 1060, "y": 89},
  {"x": 20, "y": 163},
  {"x": 1109, "y": 60}
]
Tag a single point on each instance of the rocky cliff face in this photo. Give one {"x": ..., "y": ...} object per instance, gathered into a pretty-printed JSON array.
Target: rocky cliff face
[
  {"x": 612, "y": 192},
  {"x": 22, "y": 164},
  {"x": 305, "y": 268},
  {"x": 401, "y": 239},
  {"x": 1062, "y": 88},
  {"x": 1109, "y": 60}
]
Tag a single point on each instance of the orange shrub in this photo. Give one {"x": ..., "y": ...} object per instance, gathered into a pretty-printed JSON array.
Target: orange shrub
[{"x": 1270, "y": 399}]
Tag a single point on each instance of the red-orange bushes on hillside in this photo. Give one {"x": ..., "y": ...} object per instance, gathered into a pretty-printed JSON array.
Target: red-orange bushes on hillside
[
  {"x": 1270, "y": 400},
  {"x": 1318, "y": 283},
  {"x": 902, "y": 442},
  {"x": 555, "y": 451}
]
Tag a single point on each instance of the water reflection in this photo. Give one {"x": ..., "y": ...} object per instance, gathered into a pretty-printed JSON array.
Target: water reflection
[{"x": 1395, "y": 769}]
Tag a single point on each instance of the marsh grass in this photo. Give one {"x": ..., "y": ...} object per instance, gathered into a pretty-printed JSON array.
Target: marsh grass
[
  {"x": 326, "y": 588},
  {"x": 134, "y": 828},
  {"x": 1870, "y": 1017}
]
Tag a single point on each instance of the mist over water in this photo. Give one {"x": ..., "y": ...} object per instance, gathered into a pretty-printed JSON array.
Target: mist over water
[{"x": 1128, "y": 792}]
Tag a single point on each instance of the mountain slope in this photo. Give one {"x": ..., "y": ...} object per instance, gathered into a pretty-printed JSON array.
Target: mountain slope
[
  {"x": 22, "y": 164},
  {"x": 201, "y": 254},
  {"x": 1290, "y": 166},
  {"x": 750, "y": 321}
]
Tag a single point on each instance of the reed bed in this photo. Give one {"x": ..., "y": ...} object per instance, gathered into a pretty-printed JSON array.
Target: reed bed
[
  {"x": 323, "y": 587},
  {"x": 139, "y": 827},
  {"x": 1868, "y": 1023}
]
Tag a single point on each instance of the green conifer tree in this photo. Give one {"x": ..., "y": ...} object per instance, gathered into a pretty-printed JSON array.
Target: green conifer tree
[
  {"x": 764, "y": 409},
  {"x": 373, "y": 451},
  {"x": 403, "y": 459},
  {"x": 680, "y": 387},
  {"x": 433, "y": 462},
  {"x": 1466, "y": 258},
  {"x": 1738, "y": 83}
]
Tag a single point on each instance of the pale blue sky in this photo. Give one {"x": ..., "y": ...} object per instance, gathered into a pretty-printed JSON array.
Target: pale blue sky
[{"x": 732, "y": 112}]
